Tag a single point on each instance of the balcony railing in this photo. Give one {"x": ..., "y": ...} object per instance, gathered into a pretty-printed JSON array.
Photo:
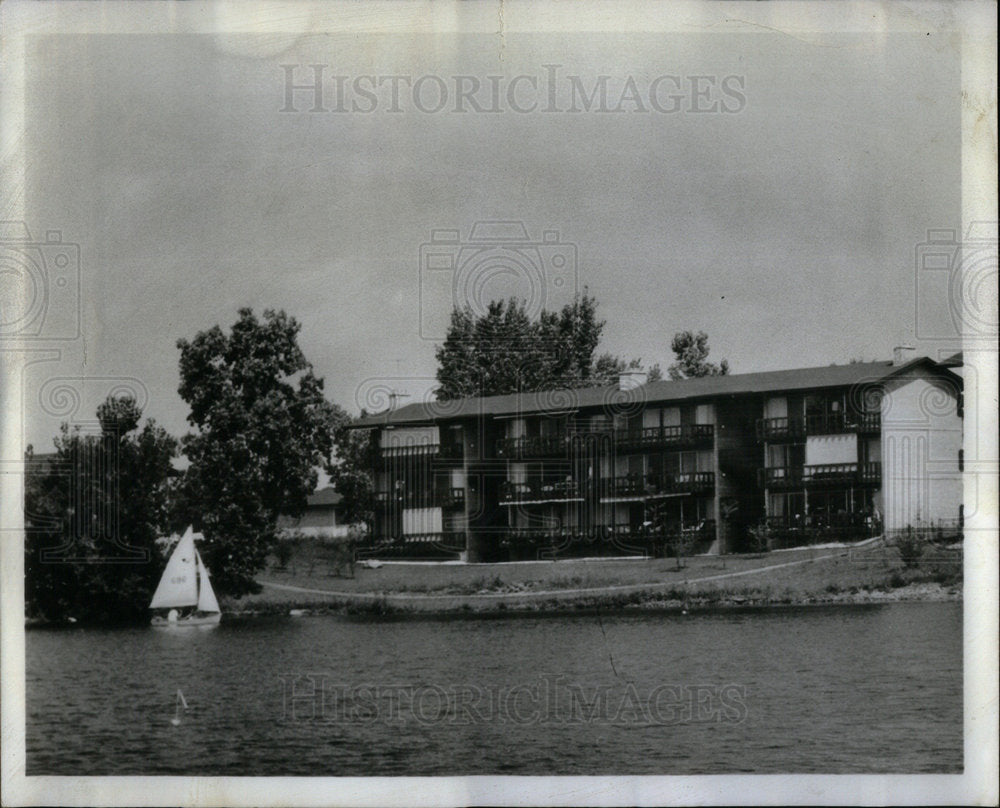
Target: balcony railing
[
  {"x": 539, "y": 492},
  {"x": 825, "y": 474},
  {"x": 451, "y": 498},
  {"x": 853, "y": 519},
  {"x": 784, "y": 429},
  {"x": 870, "y": 472},
  {"x": 446, "y": 451},
  {"x": 837, "y": 423},
  {"x": 634, "y": 486},
  {"x": 842, "y": 473},
  {"x": 617, "y": 540},
  {"x": 447, "y": 498},
  {"x": 780, "y": 477},
  {"x": 536, "y": 446},
  {"x": 664, "y": 436},
  {"x": 775, "y": 429}
]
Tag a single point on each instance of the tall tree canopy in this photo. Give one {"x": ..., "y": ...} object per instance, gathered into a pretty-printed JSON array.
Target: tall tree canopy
[
  {"x": 95, "y": 509},
  {"x": 505, "y": 351},
  {"x": 263, "y": 428},
  {"x": 692, "y": 357}
]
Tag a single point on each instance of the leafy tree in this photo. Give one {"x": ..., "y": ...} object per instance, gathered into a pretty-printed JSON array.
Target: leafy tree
[
  {"x": 570, "y": 339},
  {"x": 95, "y": 510},
  {"x": 692, "y": 357},
  {"x": 263, "y": 428},
  {"x": 505, "y": 351},
  {"x": 351, "y": 469}
]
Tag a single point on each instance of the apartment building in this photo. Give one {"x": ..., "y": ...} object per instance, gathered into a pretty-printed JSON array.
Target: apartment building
[{"x": 641, "y": 468}]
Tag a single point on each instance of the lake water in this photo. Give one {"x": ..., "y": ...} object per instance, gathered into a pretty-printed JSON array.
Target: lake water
[{"x": 874, "y": 688}]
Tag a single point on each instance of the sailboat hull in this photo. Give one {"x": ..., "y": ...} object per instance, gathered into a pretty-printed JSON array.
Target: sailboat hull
[{"x": 194, "y": 621}]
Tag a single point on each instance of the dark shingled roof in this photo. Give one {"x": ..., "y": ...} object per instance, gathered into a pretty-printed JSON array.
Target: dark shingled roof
[{"x": 661, "y": 392}]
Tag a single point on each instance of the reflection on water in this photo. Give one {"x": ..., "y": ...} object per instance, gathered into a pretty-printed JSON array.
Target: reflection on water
[{"x": 819, "y": 689}]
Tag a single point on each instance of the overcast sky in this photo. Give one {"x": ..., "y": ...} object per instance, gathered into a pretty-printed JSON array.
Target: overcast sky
[{"x": 783, "y": 223}]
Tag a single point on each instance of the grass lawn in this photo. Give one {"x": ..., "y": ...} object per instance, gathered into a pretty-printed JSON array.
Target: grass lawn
[{"x": 812, "y": 574}]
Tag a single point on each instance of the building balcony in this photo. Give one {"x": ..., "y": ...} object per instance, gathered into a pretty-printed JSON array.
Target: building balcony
[
  {"x": 780, "y": 477},
  {"x": 605, "y": 540},
  {"x": 702, "y": 528},
  {"x": 802, "y": 530},
  {"x": 663, "y": 437},
  {"x": 536, "y": 446},
  {"x": 436, "y": 451},
  {"x": 451, "y": 499},
  {"x": 446, "y": 498},
  {"x": 780, "y": 429},
  {"x": 635, "y": 487},
  {"x": 827, "y": 474},
  {"x": 520, "y": 493},
  {"x": 775, "y": 430},
  {"x": 845, "y": 422},
  {"x": 842, "y": 474}
]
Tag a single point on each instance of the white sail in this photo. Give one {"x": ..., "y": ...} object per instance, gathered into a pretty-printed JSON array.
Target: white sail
[
  {"x": 206, "y": 597},
  {"x": 179, "y": 584}
]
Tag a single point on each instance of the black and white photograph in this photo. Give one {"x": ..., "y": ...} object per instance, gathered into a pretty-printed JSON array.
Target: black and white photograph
[{"x": 499, "y": 403}]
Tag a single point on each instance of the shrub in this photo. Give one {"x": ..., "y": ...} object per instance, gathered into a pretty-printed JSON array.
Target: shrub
[
  {"x": 339, "y": 554},
  {"x": 284, "y": 550},
  {"x": 760, "y": 538},
  {"x": 896, "y": 580},
  {"x": 910, "y": 545}
]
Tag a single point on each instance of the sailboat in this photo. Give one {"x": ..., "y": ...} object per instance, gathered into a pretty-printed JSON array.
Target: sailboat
[{"x": 185, "y": 589}]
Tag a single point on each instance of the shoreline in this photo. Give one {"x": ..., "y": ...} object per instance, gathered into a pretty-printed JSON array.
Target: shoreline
[
  {"x": 399, "y": 606},
  {"x": 862, "y": 574},
  {"x": 402, "y": 605}
]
